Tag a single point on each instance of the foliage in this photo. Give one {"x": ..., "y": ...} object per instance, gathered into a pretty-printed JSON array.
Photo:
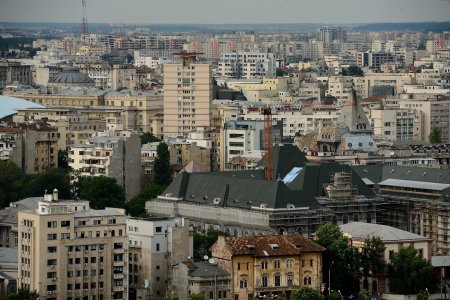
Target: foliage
[
  {"x": 371, "y": 258},
  {"x": 196, "y": 296},
  {"x": 435, "y": 136},
  {"x": 340, "y": 258},
  {"x": 204, "y": 240},
  {"x": 63, "y": 159},
  {"x": 136, "y": 206},
  {"x": 11, "y": 182},
  {"x": 280, "y": 72},
  {"x": 147, "y": 137},
  {"x": 23, "y": 294},
  {"x": 162, "y": 165},
  {"x": 409, "y": 273},
  {"x": 364, "y": 295},
  {"x": 306, "y": 293},
  {"x": 352, "y": 71},
  {"x": 170, "y": 295},
  {"x": 101, "y": 191},
  {"x": 423, "y": 295},
  {"x": 35, "y": 185},
  {"x": 334, "y": 295}
]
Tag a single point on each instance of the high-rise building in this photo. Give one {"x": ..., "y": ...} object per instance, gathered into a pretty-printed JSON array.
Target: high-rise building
[
  {"x": 187, "y": 95},
  {"x": 69, "y": 251},
  {"x": 329, "y": 34}
]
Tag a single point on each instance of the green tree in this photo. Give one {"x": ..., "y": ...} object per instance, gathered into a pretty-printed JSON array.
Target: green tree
[
  {"x": 371, "y": 258},
  {"x": 340, "y": 259},
  {"x": 170, "y": 295},
  {"x": 334, "y": 295},
  {"x": 101, "y": 191},
  {"x": 435, "y": 136},
  {"x": 63, "y": 159},
  {"x": 11, "y": 183},
  {"x": 364, "y": 295},
  {"x": 352, "y": 71},
  {"x": 147, "y": 137},
  {"x": 136, "y": 206},
  {"x": 280, "y": 72},
  {"x": 50, "y": 179},
  {"x": 204, "y": 240},
  {"x": 409, "y": 273},
  {"x": 23, "y": 294},
  {"x": 196, "y": 296},
  {"x": 306, "y": 293},
  {"x": 162, "y": 165},
  {"x": 423, "y": 295}
]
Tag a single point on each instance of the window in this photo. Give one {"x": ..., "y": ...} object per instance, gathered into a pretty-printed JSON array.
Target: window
[
  {"x": 51, "y": 249},
  {"x": 290, "y": 279},
  {"x": 51, "y": 236},
  {"x": 391, "y": 254},
  {"x": 276, "y": 264},
  {"x": 239, "y": 266},
  {"x": 65, "y": 236},
  {"x": 65, "y": 223},
  {"x": 157, "y": 247},
  {"x": 264, "y": 281},
  {"x": 158, "y": 229},
  {"x": 52, "y": 224},
  {"x": 277, "y": 280},
  {"x": 311, "y": 262},
  {"x": 289, "y": 263},
  {"x": 264, "y": 264},
  {"x": 243, "y": 284},
  {"x": 51, "y": 262}
]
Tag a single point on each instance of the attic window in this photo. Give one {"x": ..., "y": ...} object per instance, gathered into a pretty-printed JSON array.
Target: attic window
[
  {"x": 274, "y": 246},
  {"x": 205, "y": 197},
  {"x": 350, "y": 145},
  {"x": 298, "y": 246},
  {"x": 216, "y": 200}
]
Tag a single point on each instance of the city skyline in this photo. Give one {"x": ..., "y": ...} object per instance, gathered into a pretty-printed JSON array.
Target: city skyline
[{"x": 233, "y": 11}]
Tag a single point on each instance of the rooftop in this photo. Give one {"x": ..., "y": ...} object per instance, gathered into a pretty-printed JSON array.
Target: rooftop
[{"x": 9, "y": 105}]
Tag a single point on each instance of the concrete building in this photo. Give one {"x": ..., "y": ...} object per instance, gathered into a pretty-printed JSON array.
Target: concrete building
[
  {"x": 155, "y": 246},
  {"x": 246, "y": 65},
  {"x": 269, "y": 265},
  {"x": 67, "y": 249},
  {"x": 11, "y": 72},
  {"x": 204, "y": 277},
  {"x": 118, "y": 157},
  {"x": 8, "y": 271},
  {"x": 392, "y": 239},
  {"x": 329, "y": 34},
  {"x": 187, "y": 96},
  {"x": 395, "y": 124}
]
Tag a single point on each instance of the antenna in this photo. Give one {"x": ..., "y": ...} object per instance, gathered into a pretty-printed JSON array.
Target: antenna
[{"x": 84, "y": 24}]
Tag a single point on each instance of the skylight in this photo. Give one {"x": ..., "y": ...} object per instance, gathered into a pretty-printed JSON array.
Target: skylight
[{"x": 292, "y": 175}]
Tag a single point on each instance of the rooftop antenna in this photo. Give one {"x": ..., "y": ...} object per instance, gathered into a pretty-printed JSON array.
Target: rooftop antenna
[{"x": 84, "y": 24}]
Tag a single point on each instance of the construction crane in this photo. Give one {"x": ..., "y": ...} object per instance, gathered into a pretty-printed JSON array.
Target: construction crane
[
  {"x": 84, "y": 24},
  {"x": 268, "y": 167}
]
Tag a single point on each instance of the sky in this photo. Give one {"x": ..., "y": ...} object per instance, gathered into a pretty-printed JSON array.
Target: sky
[{"x": 226, "y": 11}]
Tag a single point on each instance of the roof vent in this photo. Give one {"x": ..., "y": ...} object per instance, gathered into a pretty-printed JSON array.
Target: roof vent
[
  {"x": 274, "y": 246},
  {"x": 205, "y": 197},
  {"x": 216, "y": 200},
  {"x": 365, "y": 171},
  {"x": 169, "y": 195},
  {"x": 392, "y": 170},
  {"x": 249, "y": 202},
  {"x": 409, "y": 172},
  {"x": 263, "y": 205},
  {"x": 290, "y": 206},
  {"x": 424, "y": 173},
  {"x": 236, "y": 201},
  {"x": 192, "y": 196}
]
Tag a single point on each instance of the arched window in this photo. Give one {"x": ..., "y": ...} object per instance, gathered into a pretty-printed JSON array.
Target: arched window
[
  {"x": 243, "y": 284},
  {"x": 289, "y": 263},
  {"x": 264, "y": 264}
]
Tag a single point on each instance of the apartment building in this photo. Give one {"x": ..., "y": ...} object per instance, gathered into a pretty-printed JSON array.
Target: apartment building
[
  {"x": 269, "y": 266},
  {"x": 156, "y": 244},
  {"x": 395, "y": 124},
  {"x": 14, "y": 72},
  {"x": 247, "y": 64},
  {"x": 69, "y": 251},
  {"x": 118, "y": 157},
  {"x": 187, "y": 96},
  {"x": 340, "y": 87}
]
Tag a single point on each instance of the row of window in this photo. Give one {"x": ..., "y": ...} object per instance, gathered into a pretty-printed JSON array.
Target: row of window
[{"x": 276, "y": 264}]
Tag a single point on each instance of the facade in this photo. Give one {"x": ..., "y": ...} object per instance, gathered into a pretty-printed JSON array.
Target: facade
[
  {"x": 11, "y": 72},
  {"x": 187, "y": 96},
  {"x": 8, "y": 273},
  {"x": 269, "y": 265},
  {"x": 67, "y": 250},
  {"x": 112, "y": 156},
  {"x": 246, "y": 65},
  {"x": 155, "y": 245}
]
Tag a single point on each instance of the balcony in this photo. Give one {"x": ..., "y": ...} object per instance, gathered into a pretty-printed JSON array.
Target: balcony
[
  {"x": 118, "y": 250},
  {"x": 118, "y": 276},
  {"x": 118, "y": 264},
  {"x": 118, "y": 288}
]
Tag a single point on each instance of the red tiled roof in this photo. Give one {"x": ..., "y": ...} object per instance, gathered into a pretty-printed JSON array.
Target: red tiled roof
[{"x": 271, "y": 245}]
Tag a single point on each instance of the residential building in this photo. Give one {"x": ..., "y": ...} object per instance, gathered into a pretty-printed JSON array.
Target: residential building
[
  {"x": 395, "y": 124},
  {"x": 8, "y": 271},
  {"x": 246, "y": 64},
  {"x": 11, "y": 72},
  {"x": 155, "y": 246},
  {"x": 118, "y": 157},
  {"x": 392, "y": 239},
  {"x": 187, "y": 96},
  {"x": 204, "y": 277},
  {"x": 328, "y": 34},
  {"x": 269, "y": 265},
  {"x": 67, "y": 249}
]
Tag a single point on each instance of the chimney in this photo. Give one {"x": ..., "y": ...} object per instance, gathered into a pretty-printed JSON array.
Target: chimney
[{"x": 55, "y": 195}]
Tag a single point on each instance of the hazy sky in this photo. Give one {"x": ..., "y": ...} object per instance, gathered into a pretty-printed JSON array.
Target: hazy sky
[{"x": 226, "y": 11}]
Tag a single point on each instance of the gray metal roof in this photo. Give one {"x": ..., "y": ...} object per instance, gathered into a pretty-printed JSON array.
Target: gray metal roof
[
  {"x": 9, "y": 105},
  {"x": 360, "y": 230},
  {"x": 8, "y": 255},
  {"x": 204, "y": 269},
  {"x": 440, "y": 261},
  {"x": 415, "y": 184},
  {"x": 71, "y": 76}
]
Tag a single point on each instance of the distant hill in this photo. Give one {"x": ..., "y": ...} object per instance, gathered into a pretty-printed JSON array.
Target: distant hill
[{"x": 426, "y": 26}]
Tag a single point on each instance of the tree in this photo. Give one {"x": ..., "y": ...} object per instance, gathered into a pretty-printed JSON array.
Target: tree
[
  {"x": 435, "y": 136},
  {"x": 162, "y": 165},
  {"x": 23, "y": 294},
  {"x": 147, "y": 137},
  {"x": 136, "y": 206},
  {"x": 306, "y": 293},
  {"x": 340, "y": 259},
  {"x": 371, "y": 258},
  {"x": 409, "y": 273},
  {"x": 364, "y": 295},
  {"x": 423, "y": 295},
  {"x": 334, "y": 295},
  {"x": 196, "y": 296},
  {"x": 204, "y": 240},
  {"x": 63, "y": 159},
  {"x": 101, "y": 191},
  {"x": 50, "y": 179},
  {"x": 280, "y": 72},
  {"x": 352, "y": 71},
  {"x": 11, "y": 183}
]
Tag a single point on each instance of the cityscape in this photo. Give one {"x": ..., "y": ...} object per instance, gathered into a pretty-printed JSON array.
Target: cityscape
[{"x": 200, "y": 150}]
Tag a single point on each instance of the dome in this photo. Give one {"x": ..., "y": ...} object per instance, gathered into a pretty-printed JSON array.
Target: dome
[{"x": 71, "y": 76}]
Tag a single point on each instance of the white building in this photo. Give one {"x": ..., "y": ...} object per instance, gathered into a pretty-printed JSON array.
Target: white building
[{"x": 246, "y": 64}]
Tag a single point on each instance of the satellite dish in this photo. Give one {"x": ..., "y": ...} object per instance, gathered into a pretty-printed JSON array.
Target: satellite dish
[
  {"x": 212, "y": 261},
  {"x": 392, "y": 153},
  {"x": 205, "y": 257}
]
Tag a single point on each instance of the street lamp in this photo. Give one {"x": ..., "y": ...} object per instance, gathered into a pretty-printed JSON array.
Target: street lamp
[{"x": 329, "y": 278}]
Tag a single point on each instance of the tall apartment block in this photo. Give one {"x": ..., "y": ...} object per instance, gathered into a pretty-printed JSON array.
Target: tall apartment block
[
  {"x": 69, "y": 251},
  {"x": 187, "y": 95}
]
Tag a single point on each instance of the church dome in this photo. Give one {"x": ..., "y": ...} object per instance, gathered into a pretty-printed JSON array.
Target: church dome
[{"x": 71, "y": 77}]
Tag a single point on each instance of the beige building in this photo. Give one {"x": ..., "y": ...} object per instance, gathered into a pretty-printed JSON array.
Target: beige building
[
  {"x": 11, "y": 72},
  {"x": 68, "y": 250},
  {"x": 187, "y": 96}
]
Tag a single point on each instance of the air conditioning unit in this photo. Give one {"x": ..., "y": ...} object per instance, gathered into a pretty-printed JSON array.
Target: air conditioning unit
[
  {"x": 69, "y": 291},
  {"x": 54, "y": 279},
  {"x": 49, "y": 292},
  {"x": 68, "y": 253},
  {"x": 52, "y": 266}
]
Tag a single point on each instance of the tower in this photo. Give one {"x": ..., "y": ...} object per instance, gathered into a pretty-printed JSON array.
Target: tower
[
  {"x": 268, "y": 169},
  {"x": 84, "y": 24}
]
